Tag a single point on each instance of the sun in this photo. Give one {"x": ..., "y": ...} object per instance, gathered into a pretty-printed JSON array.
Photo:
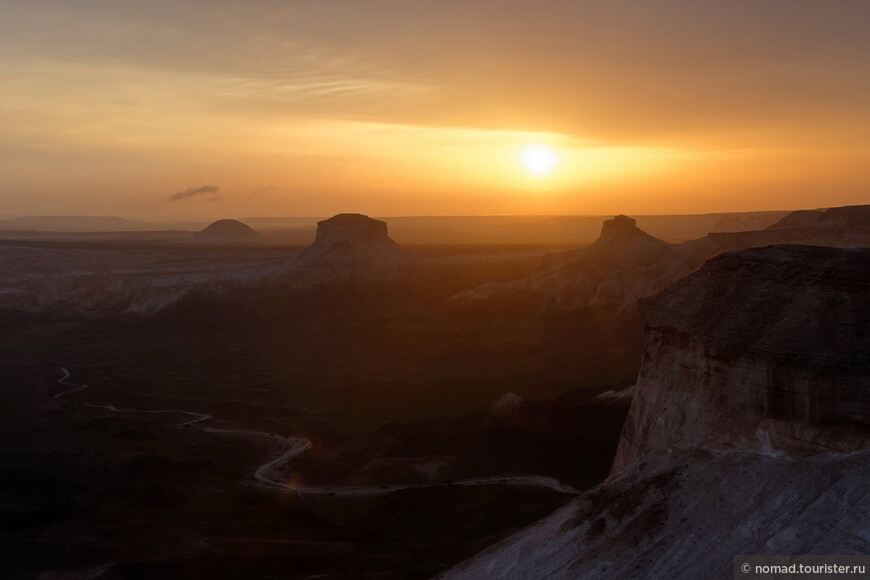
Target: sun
[{"x": 538, "y": 159}]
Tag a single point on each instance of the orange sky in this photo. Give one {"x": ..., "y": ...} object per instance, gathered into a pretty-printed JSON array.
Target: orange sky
[{"x": 391, "y": 107}]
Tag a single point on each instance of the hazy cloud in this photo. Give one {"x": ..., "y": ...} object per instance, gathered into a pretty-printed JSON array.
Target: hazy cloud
[{"x": 210, "y": 190}]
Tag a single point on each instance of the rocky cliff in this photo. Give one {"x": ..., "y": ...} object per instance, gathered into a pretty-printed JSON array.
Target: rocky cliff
[
  {"x": 765, "y": 349},
  {"x": 626, "y": 264},
  {"x": 749, "y": 432}
]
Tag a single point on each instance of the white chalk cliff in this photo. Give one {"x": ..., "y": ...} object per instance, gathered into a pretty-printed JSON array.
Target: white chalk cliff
[
  {"x": 749, "y": 432},
  {"x": 764, "y": 349}
]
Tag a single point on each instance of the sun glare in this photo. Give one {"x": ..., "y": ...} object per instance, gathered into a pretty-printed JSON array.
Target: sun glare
[{"x": 538, "y": 159}]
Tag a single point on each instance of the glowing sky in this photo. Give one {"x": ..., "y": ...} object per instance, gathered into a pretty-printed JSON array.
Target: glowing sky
[{"x": 213, "y": 108}]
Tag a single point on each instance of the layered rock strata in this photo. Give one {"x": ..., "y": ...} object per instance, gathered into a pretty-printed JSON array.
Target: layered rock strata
[
  {"x": 749, "y": 432},
  {"x": 765, "y": 349}
]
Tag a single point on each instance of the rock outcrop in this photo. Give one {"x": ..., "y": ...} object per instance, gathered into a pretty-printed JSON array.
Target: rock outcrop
[
  {"x": 765, "y": 349},
  {"x": 749, "y": 432},
  {"x": 626, "y": 264},
  {"x": 610, "y": 274},
  {"x": 352, "y": 248},
  {"x": 228, "y": 232}
]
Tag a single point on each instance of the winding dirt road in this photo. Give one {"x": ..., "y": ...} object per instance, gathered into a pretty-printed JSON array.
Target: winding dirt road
[{"x": 269, "y": 473}]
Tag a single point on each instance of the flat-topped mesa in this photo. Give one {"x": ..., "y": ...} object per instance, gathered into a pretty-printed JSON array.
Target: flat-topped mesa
[
  {"x": 763, "y": 349},
  {"x": 351, "y": 228},
  {"x": 620, "y": 227},
  {"x": 352, "y": 247}
]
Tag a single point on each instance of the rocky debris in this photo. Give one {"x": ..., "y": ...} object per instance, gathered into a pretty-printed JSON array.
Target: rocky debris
[
  {"x": 764, "y": 349},
  {"x": 228, "y": 232}
]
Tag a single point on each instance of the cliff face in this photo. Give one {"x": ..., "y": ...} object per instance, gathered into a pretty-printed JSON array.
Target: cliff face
[
  {"x": 749, "y": 432},
  {"x": 764, "y": 349}
]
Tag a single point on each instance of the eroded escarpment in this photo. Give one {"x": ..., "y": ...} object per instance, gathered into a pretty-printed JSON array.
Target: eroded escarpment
[
  {"x": 749, "y": 432},
  {"x": 765, "y": 349},
  {"x": 626, "y": 263}
]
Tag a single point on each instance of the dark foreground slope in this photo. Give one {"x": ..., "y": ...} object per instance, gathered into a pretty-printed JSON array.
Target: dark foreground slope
[{"x": 771, "y": 457}]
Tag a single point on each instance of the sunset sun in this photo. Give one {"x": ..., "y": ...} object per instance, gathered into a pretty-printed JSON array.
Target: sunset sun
[{"x": 538, "y": 159}]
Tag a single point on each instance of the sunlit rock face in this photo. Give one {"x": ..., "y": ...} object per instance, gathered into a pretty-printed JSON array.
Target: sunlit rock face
[
  {"x": 765, "y": 349},
  {"x": 352, "y": 248},
  {"x": 749, "y": 432},
  {"x": 227, "y": 231}
]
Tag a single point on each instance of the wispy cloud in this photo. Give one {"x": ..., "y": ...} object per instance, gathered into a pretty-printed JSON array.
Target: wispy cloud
[{"x": 209, "y": 190}]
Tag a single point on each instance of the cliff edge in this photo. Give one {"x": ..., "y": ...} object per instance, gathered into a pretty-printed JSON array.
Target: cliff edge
[
  {"x": 749, "y": 432},
  {"x": 764, "y": 349}
]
